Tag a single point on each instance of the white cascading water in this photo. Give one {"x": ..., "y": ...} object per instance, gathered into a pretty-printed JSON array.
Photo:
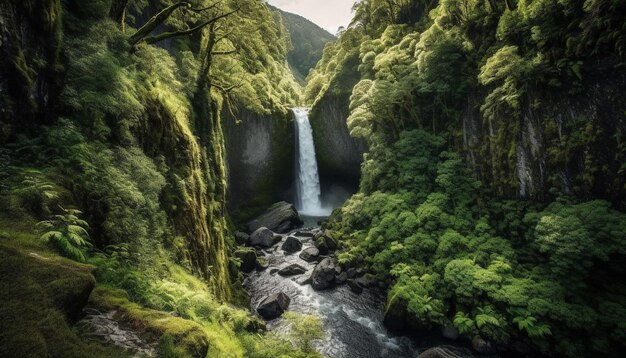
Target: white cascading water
[{"x": 308, "y": 192}]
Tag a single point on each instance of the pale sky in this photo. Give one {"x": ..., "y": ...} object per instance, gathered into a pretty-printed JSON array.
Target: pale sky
[{"x": 329, "y": 14}]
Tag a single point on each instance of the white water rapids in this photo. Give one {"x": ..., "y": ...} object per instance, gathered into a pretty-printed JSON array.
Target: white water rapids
[{"x": 308, "y": 201}]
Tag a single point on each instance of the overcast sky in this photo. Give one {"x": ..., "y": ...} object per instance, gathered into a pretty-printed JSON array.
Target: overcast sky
[{"x": 329, "y": 14}]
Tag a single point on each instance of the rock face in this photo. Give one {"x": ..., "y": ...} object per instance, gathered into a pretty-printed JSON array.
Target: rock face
[
  {"x": 292, "y": 244},
  {"x": 280, "y": 217},
  {"x": 339, "y": 155},
  {"x": 446, "y": 352},
  {"x": 261, "y": 237},
  {"x": 310, "y": 254},
  {"x": 248, "y": 259},
  {"x": 291, "y": 270},
  {"x": 323, "y": 275},
  {"x": 259, "y": 157},
  {"x": 273, "y": 305}
]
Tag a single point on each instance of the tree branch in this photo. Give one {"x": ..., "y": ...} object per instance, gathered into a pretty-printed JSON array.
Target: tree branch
[
  {"x": 155, "y": 21},
  {"x": 172, "y": 34}
]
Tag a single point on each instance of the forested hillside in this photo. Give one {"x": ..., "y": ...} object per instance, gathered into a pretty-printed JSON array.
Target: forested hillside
[
  {"x": 307, "y": 43},
  {"x": 490, "y": 198}
]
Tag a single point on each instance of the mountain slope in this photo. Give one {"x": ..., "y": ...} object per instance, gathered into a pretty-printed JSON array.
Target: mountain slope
[{"x": 308, "y": 41}]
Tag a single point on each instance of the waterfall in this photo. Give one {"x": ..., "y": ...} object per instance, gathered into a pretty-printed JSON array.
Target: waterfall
[{"x": 308, "y": 192}]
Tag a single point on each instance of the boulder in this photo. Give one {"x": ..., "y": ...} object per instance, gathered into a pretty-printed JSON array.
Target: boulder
[
  {"x": 273, "y": 305},
  {"x": 291, "y": 245},
  {"x": 280, "y": 217},
  {"x": 292, "y": 270},
  {"x": 304, "y": 234},
  {"x": 351, "y": 272},
  {"x": 395, "y": 313},
  {"x": 262, "y": 236},
  {"x": 310, "y": 254},
  {"x": 482, "y": 346},
  {"x": 248, "y": 259},
  {"x": 367, "y": 280},
  {"x": 323, "y": 275},
  {"x": 241, "y": 238},
  {"x": 446, "y": 352},
  {"x": 273, "y": 271},
  {"x": 262, "y": 263},
  {"x": 324, "y": 242},
  {"x": 354, "y": 287}
]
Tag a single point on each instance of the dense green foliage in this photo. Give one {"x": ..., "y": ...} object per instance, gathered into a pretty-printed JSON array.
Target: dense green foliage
[
  {"x": 445, "y": 93},
  {"x": 133, "y": 140}
]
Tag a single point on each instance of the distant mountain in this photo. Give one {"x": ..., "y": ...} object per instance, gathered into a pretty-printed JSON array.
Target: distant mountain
[{"x": 308, "y": 42}]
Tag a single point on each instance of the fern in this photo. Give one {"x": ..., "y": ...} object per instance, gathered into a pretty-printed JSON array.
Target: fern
[
  {"x": 463, "y": 323},
  {"x": 530, "y": 326},
  {"x": 67, "y": 233},
  {"x": 485, "y": 317}
]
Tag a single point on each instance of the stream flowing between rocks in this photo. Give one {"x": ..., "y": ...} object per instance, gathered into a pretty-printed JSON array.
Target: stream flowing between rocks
[{"x": 352, "y": 322}]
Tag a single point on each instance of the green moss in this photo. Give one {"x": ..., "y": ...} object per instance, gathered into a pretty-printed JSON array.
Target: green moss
[
  {"x": 39, "y": 292},
  {"x": 188, "y": 336}
]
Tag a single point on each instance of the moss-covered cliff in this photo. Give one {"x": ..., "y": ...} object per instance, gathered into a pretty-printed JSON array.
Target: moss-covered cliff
[{"x": 112, "y": 147}]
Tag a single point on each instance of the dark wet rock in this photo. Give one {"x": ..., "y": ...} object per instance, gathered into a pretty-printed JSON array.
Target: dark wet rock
[
  {"x": 248, "y": 259},
  {"x": 310, "y": 254},
  {"x": 481, "y": 345},
  {"x": 273, "y": 305},
  {"x": 351, "y": 272},
  {"x": 277, "y": 239},
  {"x": 323, "y": 275},
  {"x": 241, "y": 238},
  {"x": 291, "y": 270},
  {"x": 395, "y": 314},
  {"x": 262, "y": 263},
  {"x": 446, "y": 352},
  {"x": 341, "y": 278},
  {"x": 450, "y": 332},
  {"x": 273, "y": 271},
  {"x": 367, "y": 280},
  {"x": 260, "y": 253},
  {"x": 354, "y": 287},
  {"x": 292, "y": 245},
  {"x": 280, "y": 217},
  {"x": 304, "y": 234},
  {"x": 324, "y": 241},
  {"x": 262, "y": 236}
]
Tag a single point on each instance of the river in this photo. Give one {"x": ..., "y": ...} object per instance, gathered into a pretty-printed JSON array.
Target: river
[{"x": 352, "y": 322}]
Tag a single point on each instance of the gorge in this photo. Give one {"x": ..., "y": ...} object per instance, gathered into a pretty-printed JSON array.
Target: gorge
[{"x": 220, "y": 178}]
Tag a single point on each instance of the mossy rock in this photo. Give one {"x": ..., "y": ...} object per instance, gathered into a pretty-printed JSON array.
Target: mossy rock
[
  {"x": 248, "y": 258},
  {"x": 187, "y": 336},
  {"x": 40, "y": 294}
]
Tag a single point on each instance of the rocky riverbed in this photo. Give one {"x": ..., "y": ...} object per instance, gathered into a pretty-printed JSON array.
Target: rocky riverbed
[{"x": 301, "y": 265}]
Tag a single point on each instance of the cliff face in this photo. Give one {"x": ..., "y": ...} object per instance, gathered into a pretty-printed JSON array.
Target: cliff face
[
  {"x": 339, "y": 155},
  {"x": 48, "y": 69},
  {"x": 572, "y": 143},
  {"x": 31, "y": 68},
  {"x": 260, "y": 159}
]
